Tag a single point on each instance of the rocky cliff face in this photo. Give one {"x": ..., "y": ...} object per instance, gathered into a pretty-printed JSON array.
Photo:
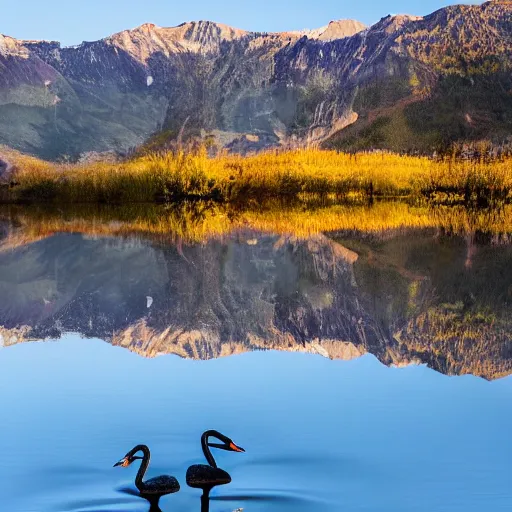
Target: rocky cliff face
[{"x": 278, "y": 88}]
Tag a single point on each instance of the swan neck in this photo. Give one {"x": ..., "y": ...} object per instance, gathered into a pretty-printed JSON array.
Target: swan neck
[
  {"x": 143, "y": 467},
  {"x": 206, "y": 450}
]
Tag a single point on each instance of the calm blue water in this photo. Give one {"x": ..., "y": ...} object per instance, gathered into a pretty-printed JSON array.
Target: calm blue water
[
  {"x": 320, "y": 435},
  {"x": 343, "y": 432}
]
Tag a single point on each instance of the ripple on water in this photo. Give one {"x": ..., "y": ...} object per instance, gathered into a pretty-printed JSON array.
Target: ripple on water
[
  {"x": 294, "y": 498},
  {"x": 128, "y": 490},
  {"x": 98, "y": 505}
]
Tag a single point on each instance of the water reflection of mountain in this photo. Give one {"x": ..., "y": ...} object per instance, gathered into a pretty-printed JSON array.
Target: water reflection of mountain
[{"x": 410, "y": 297}]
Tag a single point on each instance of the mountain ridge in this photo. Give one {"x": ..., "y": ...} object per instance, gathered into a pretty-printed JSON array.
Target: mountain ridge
[
  {"x": 341, "y": 85},
  {"x": 348, "y": 26}
]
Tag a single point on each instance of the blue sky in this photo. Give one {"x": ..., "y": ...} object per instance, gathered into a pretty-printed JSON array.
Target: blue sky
[{"x": 74, "y": 22}]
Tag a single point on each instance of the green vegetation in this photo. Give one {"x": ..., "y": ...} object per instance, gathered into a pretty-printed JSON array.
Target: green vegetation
[{"x": 429, "y": 118}]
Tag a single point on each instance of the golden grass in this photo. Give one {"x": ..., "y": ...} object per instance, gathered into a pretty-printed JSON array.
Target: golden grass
[{"x": 229, "y": 178}]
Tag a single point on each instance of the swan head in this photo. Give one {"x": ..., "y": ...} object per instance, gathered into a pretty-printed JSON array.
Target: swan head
[
  {"x": 129, "y": 458},
  {"x": 227, "y": 443}
]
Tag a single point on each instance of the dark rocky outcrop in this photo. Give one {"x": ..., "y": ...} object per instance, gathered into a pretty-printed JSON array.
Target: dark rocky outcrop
[
  {"x": 6, "y": 169},
  {"x": 4, "y": 166}
]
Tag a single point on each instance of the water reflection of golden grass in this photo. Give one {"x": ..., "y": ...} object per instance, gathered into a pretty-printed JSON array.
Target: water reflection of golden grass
[{"x": 197, "y": 222}]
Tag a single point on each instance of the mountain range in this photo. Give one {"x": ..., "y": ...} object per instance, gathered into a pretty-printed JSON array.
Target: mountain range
[{"x": 406, "y": 83}]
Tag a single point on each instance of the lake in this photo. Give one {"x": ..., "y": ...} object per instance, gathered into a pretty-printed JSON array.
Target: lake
[{"x": 360, "y": 369}]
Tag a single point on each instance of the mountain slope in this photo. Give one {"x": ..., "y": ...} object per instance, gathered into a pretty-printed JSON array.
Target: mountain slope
[
  {"x": 455, "y": 83},
  {"x": 404, "y": 83}
]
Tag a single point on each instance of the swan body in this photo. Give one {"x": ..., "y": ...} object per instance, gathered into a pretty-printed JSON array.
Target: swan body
[
  {"x": 207, "y": 476},
  {"x": 154, "y": 488},
  {"x": 201, "y": 476}
]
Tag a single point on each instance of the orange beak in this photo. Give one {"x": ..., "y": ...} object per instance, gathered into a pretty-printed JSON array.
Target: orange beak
[
  {"x": 123, "y": 463},
  {"x": 236, "y": 448}
]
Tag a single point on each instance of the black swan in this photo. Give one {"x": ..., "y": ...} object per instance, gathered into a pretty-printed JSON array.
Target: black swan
[{"x": 154, "y": 488}]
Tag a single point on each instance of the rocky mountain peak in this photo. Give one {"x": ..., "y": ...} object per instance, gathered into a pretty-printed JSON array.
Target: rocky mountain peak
[
  {"x": 10, "y": 46},
  {"x": 195, "y": 36},
  {"x": 204, "y": 32},
  {"x": 338, "y": 29},
  {"x": 393, "y": 23},
  {"x": 147, "y": 26}
]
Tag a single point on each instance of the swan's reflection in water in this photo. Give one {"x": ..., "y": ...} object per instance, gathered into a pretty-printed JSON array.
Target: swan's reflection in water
[
  {"x": 153, "y": 506},
  {"x": 205, "y": 503},
  {"x": 288, "y": 498}
]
